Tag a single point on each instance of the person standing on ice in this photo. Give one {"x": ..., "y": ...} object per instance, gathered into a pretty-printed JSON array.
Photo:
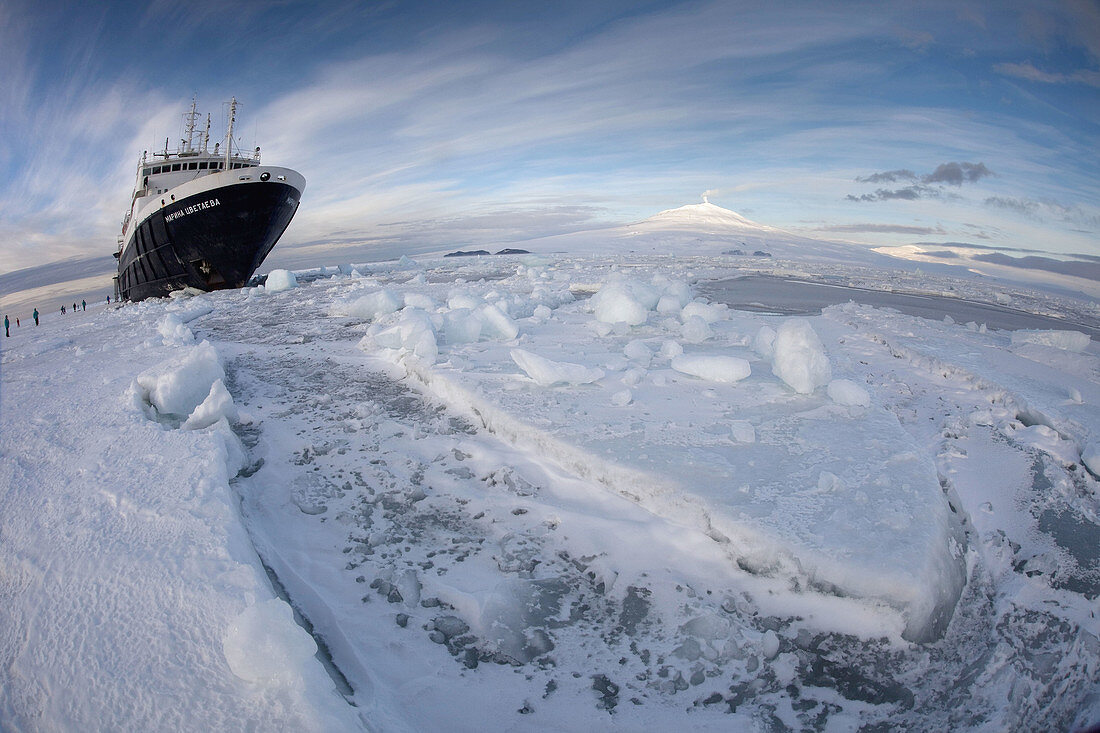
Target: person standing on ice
[
  {"x": 83, "y": 305},
  {"x": 6, "y": 326},
  {"x": 62, "y": 310},
  {"x": 35, "y": 316}
]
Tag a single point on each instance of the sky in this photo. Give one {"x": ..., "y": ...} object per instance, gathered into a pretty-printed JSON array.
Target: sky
[{"x": 439, "y": 124}]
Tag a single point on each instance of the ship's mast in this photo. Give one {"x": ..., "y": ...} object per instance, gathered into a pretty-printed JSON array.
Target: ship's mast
[
  {"x": 206, "y": 135},
  {"x": 191, "y": 116},
  {"x": 229, "y": 132}
]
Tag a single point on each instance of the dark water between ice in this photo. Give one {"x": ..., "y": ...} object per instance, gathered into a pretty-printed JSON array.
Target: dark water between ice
[{"x": 760, "y": 293}]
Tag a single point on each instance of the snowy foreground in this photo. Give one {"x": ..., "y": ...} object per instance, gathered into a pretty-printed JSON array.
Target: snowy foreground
[{"x": 545, "y": 492}]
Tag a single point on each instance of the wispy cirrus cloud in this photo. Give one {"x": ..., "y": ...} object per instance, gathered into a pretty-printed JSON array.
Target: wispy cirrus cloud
[
  {"x": 889, "y": 177},
  {"x": 1028, "y": 71},
  {"x": 883, "y": 229},
  {"x": 1046, "y": 209}
]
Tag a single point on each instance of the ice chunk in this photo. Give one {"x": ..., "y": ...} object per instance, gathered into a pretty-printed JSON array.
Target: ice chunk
[
  {"x": 173, "y": 331},
  {"x": 671, "y": 349},
  {"x": 742, "y": 431},
  {"x": 1090, "y": 456},
  {"x": 461, "y": 326},
  {"x": 678, "y": 290},
  {"x": 764, "y": 343},
  {"x": 799, "y": 358},
  {"x": 709, "y": 313},
  {"x": 616, "y": 303},
  {"x": 178, "y": 387},
  {"x": 669, "y": 305},
  {"x": 769, "y": 645},
  {"x": 1065, "y": 340},
  {"x": 280, "y": 280},
  {"x": 496, "y": 324},
  {"x": 414, "y": 332},
  {"x": 264, "y": 645},
  {"x": 847, "y": 392},
  {"x": 1048, "y": 441},
  {"x": 459, "y": 299},
  {"x": 637, "y": 351},
  {"x": 622, "y": 398},
  {"x": 419, "y": 300},
  {"x": 217, "y": 405},
  {"x": 373, "y": 306},
  {"x": 546, "y": 372},
  {"x": 713, "y": 368},
  {"x": 695, "y": 329}
]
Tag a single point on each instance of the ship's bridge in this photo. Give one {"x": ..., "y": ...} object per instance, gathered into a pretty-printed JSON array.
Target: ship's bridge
[
  {"x": 159, "y": 177},
  {"x": 192, "y": 159}
]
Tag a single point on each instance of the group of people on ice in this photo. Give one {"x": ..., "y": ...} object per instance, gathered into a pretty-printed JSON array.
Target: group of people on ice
[{"x": 83, "y": 306}]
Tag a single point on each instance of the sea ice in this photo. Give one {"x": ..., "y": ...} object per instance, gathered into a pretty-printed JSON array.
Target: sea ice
[
  {"x": 178, "y": 387},
  {"x": 764, "y": 342},
  {"x": 742, "y": 431},
  {"x": 414, "y": 332},
  {"x": 173, "y": 330},
  {"x": 617, "y": 302},
  {"x": 372, "y": 306},
  {"x": 712, "y": 367},
  {"x": 1090, "y": 456},
  {"x": 639, "y": 352},
  {"x": 695, "y": 329},
  {"x": 264, "y": 645},
  {"x": 847, "y": 392},
  {"x": 496, "y": 324},
  {"x": 461, "y": 326},
  {"x": 1066, "y": 340},
  {"x": 799, "y": 358},
  {"x": 280, "y": 280},
  {"x": 711, "y": 313},
  {"x": 546, "y": 372},
  {"x": 217, "y": 405}
]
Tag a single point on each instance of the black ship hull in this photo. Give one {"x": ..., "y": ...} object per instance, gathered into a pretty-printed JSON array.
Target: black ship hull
[{"x": 211, "y": 240}]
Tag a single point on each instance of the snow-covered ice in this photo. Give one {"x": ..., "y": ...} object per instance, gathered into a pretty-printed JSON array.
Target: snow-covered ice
[{"x": 566, "y": 491}]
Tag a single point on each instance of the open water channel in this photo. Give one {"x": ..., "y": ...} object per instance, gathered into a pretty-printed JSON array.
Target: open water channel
[{"x": 762, "y": 293}]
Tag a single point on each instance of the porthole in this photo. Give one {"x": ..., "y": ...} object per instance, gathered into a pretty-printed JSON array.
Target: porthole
[{"x": 265, "y": 176}]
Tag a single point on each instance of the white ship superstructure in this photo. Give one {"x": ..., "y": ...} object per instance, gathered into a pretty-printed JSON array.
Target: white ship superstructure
[{"x": 202, "y": 218}]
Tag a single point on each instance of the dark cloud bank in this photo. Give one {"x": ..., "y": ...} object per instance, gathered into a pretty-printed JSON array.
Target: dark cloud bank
[{"x": 922, "y": 186}]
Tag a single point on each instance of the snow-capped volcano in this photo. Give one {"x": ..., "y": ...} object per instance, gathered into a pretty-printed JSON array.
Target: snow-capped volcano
[
  {"x": 703, "y": 217},
  {"x": 704, "y": 229}
]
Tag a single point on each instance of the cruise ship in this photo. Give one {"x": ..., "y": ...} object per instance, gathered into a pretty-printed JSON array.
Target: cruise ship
[{"x": 202, "y": 218}]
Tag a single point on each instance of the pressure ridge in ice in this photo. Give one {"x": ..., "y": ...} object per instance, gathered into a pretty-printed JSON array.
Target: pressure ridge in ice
[{"x": 734, "y": 427}]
